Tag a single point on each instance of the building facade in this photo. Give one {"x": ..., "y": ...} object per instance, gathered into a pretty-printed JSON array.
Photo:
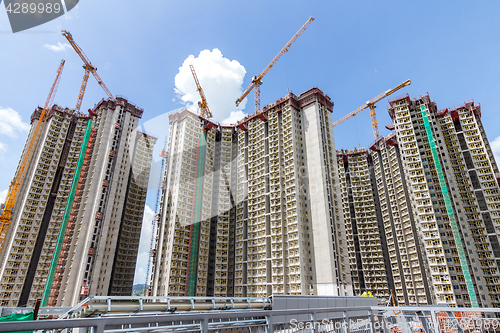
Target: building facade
[
  {"x": 405, "y": 258},
  {"x": 237, "y": 214},
  {"x": 421, "y": 208},
  {"x": 368, "y": 255},
  {"x": 452, "y": 180},
  {"x": 76, "y": 224}
]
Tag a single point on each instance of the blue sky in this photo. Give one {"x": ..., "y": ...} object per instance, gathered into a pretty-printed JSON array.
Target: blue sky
[{"x": 353, "y": 51}]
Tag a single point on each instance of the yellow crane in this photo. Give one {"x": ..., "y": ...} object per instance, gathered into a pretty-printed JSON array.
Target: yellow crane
[
  {"x": 203, "y": 105},
  {"x": 15, "y": 185},
  {"x": 89, "y": 68},
  {"x": 371, "y": 104},
  {"x": 257, "y": 80}
]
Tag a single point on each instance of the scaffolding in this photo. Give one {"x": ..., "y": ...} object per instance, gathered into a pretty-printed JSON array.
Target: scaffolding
[{"x": 449, "y": 210}]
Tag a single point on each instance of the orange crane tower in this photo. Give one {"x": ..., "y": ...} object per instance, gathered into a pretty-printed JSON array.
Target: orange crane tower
[
  {"x": 257, "y": 80},
  {"x": 89, "y": 68},
  {"x": 371, "y": 104},
  {"x": 12, "y": 194},
  {"x": 203, "y": 105}
]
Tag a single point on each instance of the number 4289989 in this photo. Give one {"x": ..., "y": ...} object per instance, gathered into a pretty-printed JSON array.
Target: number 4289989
[{"x": 25, "y": 7}]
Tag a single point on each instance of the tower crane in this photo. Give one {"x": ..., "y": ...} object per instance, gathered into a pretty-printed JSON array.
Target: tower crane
[
  {"x": 371, "y": 104},
  {"x": 15, "y": 185},
  {"x": 257, "y": 80},
  {"x": 89, "y": 68},
  {"x": 203, "y": 105}
]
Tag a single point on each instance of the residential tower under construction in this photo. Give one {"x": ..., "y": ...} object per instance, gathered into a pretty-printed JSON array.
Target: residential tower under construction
[
  {"x": 421, "y": 208},
  {"x": 253, "y": 209},
  {"x": 76, "y": 224}
]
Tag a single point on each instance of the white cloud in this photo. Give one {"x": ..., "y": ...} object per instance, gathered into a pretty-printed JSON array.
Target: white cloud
[
  {"x": 11, "y": 123},
  {"x": 3, "y": 147},
  {"x": 495, "y": 146},
  {"x": 220, "y": 78},
  {"x": 3, "y": 195},
  {"x": 233, "y": 117},
  {"x": 59, "y": 47},
  {"x": 144, "y": 246}
]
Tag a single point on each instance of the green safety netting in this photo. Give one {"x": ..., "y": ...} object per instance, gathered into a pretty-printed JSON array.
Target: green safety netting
[
  {"x": 449, "y": 210},
  {"x": 18, "y": 317},
  {"x": 67, "y": 211},
  {"x": 193, "y": 257}
]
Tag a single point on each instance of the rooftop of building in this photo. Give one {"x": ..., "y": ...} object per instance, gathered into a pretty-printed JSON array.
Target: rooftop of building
[{"x": 306, "y": 98}]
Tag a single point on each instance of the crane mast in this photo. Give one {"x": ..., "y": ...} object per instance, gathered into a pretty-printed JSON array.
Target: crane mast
[
  {"x": 13, "y": 192},
  {"x": 203, "y": 105},
  {"x": 89, "y": 68},
  {"x": 257, "y": 80},
  {"x": 371, "y": 105}
]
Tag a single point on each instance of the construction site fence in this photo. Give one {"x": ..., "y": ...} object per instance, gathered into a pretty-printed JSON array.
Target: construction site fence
[{"x": 369, "y": 319}]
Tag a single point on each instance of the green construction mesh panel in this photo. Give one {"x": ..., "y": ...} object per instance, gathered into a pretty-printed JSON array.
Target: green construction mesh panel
[
  {"x": 449, "y": 210},
  {"x": 18, "y": 317},
  {"x": 67, "y": 211},
  {"x": 195, "y": 227}
]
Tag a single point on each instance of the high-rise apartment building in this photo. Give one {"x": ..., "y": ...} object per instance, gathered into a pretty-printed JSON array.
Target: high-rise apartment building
[
  {"x": 421, "y": 208},
  {"x": 268, "y": 206},
  {"x": 452, "y": 183},
  {"x": 400, "y": 234},
  {"x": 253, "y": 209},
  {"x": 76, "y": 224},
  {"x": 368, "y": 255}
]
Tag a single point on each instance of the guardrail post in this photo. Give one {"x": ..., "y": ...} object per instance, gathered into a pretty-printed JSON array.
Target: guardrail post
[
  {"x": 434, "y": 321},
  {"x": 345, "y": 325},
  {"x": 313, "y": 321},
  {"x": 270, "y": 324},
  {"x": 204, "y": 325},
  {"x": 372, "y": 321},
  {"x": 100, "y": 328}
]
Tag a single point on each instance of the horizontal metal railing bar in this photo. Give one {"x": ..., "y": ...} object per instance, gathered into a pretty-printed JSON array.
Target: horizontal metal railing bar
[
  {"x": 434, "y": 309},
  {"x": 184, "y": 327},
  {"x": 207, "y": 320},
  {"x": 174, "y": 298},
  {"x": 159, "y": 313},
  {"x": 190, "y": 327}
]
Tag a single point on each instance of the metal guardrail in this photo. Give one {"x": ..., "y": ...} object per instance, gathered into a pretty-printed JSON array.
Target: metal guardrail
[
  {"x": 357, "y": 319},
  {"x": 260, "y": 320}
]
